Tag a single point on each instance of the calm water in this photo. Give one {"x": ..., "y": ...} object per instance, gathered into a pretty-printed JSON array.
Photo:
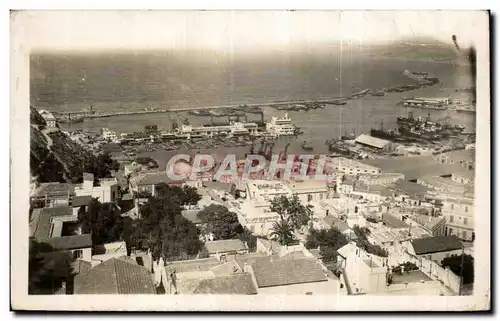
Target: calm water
[{"x": 163, "y": 80}]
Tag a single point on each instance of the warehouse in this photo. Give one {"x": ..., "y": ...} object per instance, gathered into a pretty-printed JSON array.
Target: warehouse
[{"x": 375, "y": 143}]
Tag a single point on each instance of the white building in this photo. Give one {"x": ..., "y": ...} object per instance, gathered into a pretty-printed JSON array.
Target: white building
[
  {"x": 459, "y": 214},
  {"x": 382, "y": 179},
  {"x": 49, "y": 118},
  {"x": 310, "y": 190},
  {"x": 107, "y": 191},
  {"x": 366, "y": 273},
  {"x": 108, "y": 135},
  {"x": 464, "y": 177},
  {"x": 352, "y": 167}
]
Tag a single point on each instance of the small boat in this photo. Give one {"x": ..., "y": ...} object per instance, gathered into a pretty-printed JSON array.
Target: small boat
[{"x": 306, "y": 146}]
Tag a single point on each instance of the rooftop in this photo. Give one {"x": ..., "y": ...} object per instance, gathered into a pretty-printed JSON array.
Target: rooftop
[
  {"x": 153, "y": 179},
  {"x": 78, "y": 201},
  {"x": 393, "y": 221},
  {"x": 308, "y": 185},
  {"x": 224, "y": 246},
  {"x": 286, "y": 272},
  {"x": 337, "y": 223},
  {"x": 54, "y": 189},
  {"x": 70, "y": 242},
  {"x": 115, "y": 276},
  {"x": 371, "y": 141},
  {"x": 239, "y": 284},
  {"x": 193, "y": 265},
  {"x": 41, "y": 221},
  {"x": 427, "y": 221},
  {"x": 436, "y": 244},
  {"x": 414, "y": 167}
]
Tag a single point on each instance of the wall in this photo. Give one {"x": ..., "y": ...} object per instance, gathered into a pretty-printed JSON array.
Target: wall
[
  {"x": 306, "y": 197},
  {"x": 433, "y": 270},
  {"x": 363, "y": 277},
  {"x": 86, "y": 254}
]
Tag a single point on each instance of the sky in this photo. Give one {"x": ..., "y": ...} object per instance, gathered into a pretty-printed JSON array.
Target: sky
[{"x": 230, "y": 30}]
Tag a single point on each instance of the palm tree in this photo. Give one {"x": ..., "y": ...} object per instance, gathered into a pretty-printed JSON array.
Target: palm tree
[{"x": 283, "y": 232}]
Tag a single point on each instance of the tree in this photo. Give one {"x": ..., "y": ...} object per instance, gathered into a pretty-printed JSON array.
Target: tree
[
  {"x": 219, "y": 221},
  {"x": 329, "y": 241},
  {"x": 292, "y": 210},
  {"x": 282, "y": 231},
  {"x": 454, "y": 262},
  {"x": 47, "y": 269},
  {"x": 249, "y": 238},
  {"x": 161, "y": 227},
  {"x": 362, "y": 242},
  {"x": 103, "y": 220}
]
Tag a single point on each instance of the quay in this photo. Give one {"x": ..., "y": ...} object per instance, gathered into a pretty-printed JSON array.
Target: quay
[{"x": 91, "y": 114}]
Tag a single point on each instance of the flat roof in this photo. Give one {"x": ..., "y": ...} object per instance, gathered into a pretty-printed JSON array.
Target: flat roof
[{"x": 371, "y": 141}]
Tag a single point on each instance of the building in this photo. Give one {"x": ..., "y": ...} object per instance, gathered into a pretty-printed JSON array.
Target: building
[
  {"x": 343, "y": 227},
  {"x": 382, "y": 179},
  {"x": 290, "y": 275},
  {"x": 346, "y": 186},
  {"x": 413, "y": 167},
  {"x": 436, "y": 226},
  {"x": 108, "y": 135},
  {"x": 423, "y": 101},
  {"x": 148, "y": 182},
  {"x": 106, "y": 190},
  {"x": 443, "y": 184},
  {"x": 464, "y": 157},
  {"x": 115, "y": 276},
  {"x": 255, "y": 213},
  {"x": 49, "y": 118},
  {"x": 310, "y": 190},
  {"x": 53, "y": 194},
  {"x": 225, "y": 250},
  {"x": 371, "y": 193},
  {"x": 436, "y": 248},
  {"x": 58, "y": 227},
  {"x": 80, "y": 203},
  {"x": 464, "y": 177},
  {"x": 363, "y": 273},
  {"x": 352, "y": 167},
  {"x": 374, "y": 143},
  {"x": 459, "y": 215}
]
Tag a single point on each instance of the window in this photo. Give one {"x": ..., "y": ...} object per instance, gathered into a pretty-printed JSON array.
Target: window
[
  {"x": 451, "y": 218},
  {"x": 464, "y": 235},
  {"x": 466, "y": 209},
  {"x": 452, "y": 206},
  {"x": 465, "y": 220},
  {"x": 321, "y": 196},
  {"x": 77, "y": 254}
]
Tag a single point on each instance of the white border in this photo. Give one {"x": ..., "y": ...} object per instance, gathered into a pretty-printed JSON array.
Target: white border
[{"x": 20, "y": 178}]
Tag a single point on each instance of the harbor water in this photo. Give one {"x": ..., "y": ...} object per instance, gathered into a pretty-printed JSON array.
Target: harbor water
[{"x": 131, "y": 84}]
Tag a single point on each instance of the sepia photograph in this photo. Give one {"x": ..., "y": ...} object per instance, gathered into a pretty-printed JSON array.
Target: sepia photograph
[{"x": 286, "y": 157}]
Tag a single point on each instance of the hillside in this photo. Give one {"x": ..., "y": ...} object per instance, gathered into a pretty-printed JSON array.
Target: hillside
[{"x": 54, "y": 157}]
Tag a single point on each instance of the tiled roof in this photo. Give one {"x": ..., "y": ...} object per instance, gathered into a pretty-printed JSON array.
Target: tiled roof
[
  {"x": 54, "y": 189},
  {"x": 42, "y": 220},
  {"x": 224, "y": 246},
  {"x": 116, "y": 276},
  {"x": 78, "y": 201},
  {"x": 286, "y": 272},
  {"x": 240, "y": 283},
  {"x": 436, "y": 244},
  {"x": 393, "y": 221},
  {"x": 337, "y": 223},
  {"x": 226, "y": 268},
  {"x": 193, "y": 265},
  {"x": 70, "y": 242},
  {"x": 155, "y": 179}
]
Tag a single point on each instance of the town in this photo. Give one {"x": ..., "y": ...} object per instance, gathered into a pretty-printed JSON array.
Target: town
[{"x": 394, "y": 216}]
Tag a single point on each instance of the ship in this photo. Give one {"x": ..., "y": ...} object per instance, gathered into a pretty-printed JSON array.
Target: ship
[
  {"x": 377, "y": 93},
  {"x": 337, "y": 147},
  {"x": 361, "y": 93},
  {"x": 306, "y": 146},
  {"x": 69, "y": 120},
  {"x": 384, "y": 134}
]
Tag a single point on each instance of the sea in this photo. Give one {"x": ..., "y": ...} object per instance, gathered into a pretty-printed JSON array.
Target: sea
[{"x": 163, "y": 80}]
